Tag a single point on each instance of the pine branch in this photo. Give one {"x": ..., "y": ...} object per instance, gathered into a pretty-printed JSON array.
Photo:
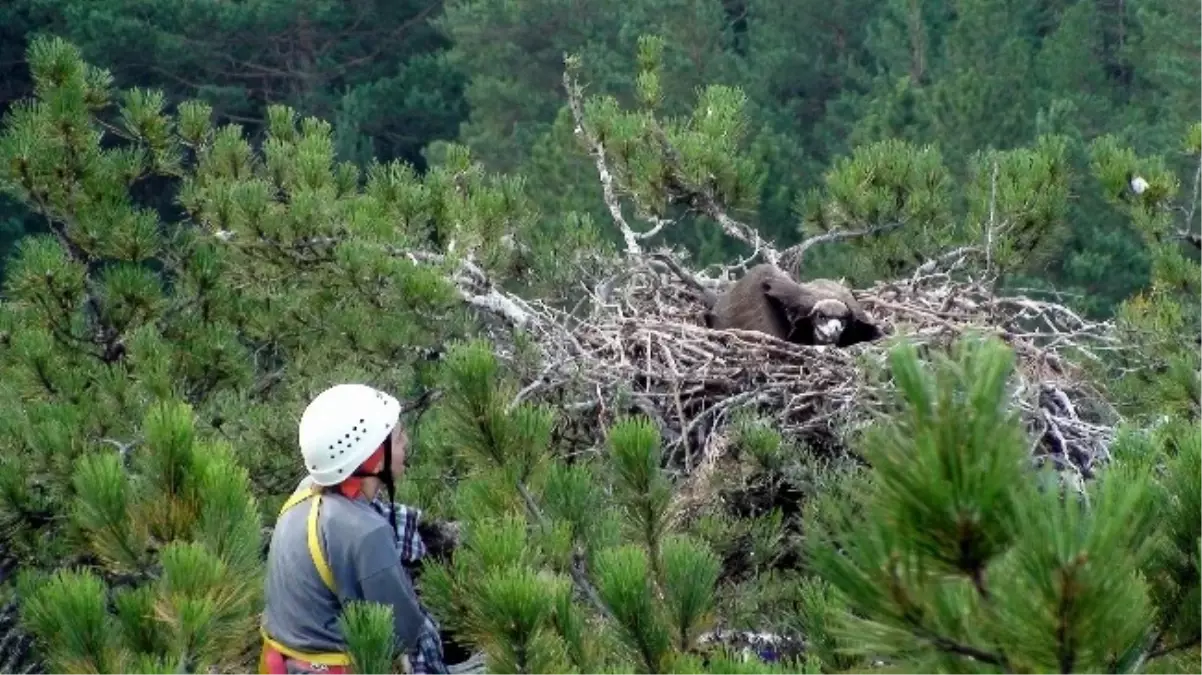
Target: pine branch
[
  {"x": 703, "y": 200},
  {"x": 1186, "y": 233},
  {"x": 798, "y": 251},
  {"x": 476, "y": 289},
  {"x": 472, "y": 283},
  {"x": 953, "y": 647},
  {"x": 1180, "y": 646},
  {"x": 1192, "y": 238},
  {"x": 597, "y": 150},
  {"x": 696, "y": 197},
  {"x": 1154, "y": 648},
  {"x": 104, "y": 335},
  {"x": 945, "y": 644},
  {"x": 578, "y": 576}
]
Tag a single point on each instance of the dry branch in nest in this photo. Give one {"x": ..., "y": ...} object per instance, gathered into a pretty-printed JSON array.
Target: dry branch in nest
[{"x": 646, "y": 350}]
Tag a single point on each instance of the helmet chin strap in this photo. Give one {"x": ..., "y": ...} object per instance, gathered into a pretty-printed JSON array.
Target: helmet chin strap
[{"x": 385, "y": 476}]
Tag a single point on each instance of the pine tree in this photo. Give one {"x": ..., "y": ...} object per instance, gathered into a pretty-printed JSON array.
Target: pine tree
[
  {"x": 276, "y": 272},
  {"x": 374, "y": 68},
  {"x": 1157, "y": 43},
  {"x": 937, "y": 556},
  {"x": 956, "y": 556},
  {"x": 566, "y": 565},
  {"x": 950, "y": 553},
  {"x": 1160, "y": 373},
  {"x": 175, "y": 535}
]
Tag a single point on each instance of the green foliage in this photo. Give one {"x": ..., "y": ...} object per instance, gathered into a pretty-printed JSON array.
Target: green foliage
[
  {"x": 207, "y": 278},
  {"x": 950, "y": 552},
  {"x": 534, "y": 523},
  {"x": 893, "y": 199},
  {"x": 281, "y": 262},
  {"x": 642, "y": 490},
  {"x": 368, "y": 628},
  {"x": 671, "y": 165},
  {"x": 1159, "y": 373},
  {"x": 516, "y": 79},
  {"x": 890, "y": 184},
  {"x": 690, "y": 573},
  {"x": 1019, "y": 200},
  {"x": 71, "y": 606},
  {"x": 326, "y": 59},
  {"x": 959, "y": 559},
  {"x": 184, "y": 523},
  {"x": 278, "y": 270},
  {"x": 816, "y": 80}
]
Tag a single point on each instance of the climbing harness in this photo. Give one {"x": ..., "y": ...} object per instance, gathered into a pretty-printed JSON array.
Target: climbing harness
[{"x": 273, "y": 659}]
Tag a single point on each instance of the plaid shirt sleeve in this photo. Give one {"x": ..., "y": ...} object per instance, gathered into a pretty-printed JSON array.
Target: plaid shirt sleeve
[{"x": 426, "y": 656}]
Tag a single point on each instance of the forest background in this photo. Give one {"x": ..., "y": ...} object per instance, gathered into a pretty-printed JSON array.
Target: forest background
[
  {"x": 172, "y": 286},
  {"x": 398, "y": 80}
]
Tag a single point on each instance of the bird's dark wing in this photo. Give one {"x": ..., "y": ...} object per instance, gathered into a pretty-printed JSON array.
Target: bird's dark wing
[{"x": 790, "y": 295}]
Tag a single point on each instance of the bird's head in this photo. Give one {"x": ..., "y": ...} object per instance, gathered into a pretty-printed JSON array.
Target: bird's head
[{"x": 829, "y": 318}]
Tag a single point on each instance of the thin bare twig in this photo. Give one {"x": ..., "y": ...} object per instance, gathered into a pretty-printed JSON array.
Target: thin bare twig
[
  {"x": 797, "y": 253},
  {"x": 992, "y": 220}
]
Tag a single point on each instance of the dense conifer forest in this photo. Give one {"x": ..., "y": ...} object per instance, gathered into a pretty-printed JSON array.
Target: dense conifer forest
[{"x": 515, "y": 215}]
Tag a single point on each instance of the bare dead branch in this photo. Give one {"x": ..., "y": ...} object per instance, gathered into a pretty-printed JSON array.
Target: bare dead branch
[
  {"x": 992, "y": 225},
  {"x": 697, "y": 198},
  {"x": 795, "y": 254},
  {"x": 597, "y": 150},
  {"x": 1192, "y": 209}
]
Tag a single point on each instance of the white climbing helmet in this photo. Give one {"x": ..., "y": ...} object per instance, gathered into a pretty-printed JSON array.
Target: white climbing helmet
[{"x": 342, "y": 427}]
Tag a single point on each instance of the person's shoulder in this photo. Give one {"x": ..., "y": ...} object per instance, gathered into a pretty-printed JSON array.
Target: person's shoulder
[{"x": 355, "y": 519}]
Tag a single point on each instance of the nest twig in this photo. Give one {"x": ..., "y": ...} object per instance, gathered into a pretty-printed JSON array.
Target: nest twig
[{"x": 643, "y": 348}]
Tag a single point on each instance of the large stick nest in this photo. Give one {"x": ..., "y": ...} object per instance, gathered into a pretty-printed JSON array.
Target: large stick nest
[{"x": 637, "y": 344}]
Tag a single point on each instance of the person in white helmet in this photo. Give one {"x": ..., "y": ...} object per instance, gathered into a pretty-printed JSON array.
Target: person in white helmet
[{"x": 344, "y": 545}]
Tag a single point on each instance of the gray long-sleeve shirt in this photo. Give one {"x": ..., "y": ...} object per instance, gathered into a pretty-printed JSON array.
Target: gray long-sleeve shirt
[{"x": 361, "y": 550}]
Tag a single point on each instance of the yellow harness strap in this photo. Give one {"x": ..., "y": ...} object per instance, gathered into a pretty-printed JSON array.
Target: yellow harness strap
[{"x": 327, "y": 576}]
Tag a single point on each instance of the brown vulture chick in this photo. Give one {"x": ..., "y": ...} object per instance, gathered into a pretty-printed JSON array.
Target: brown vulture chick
[{"x": 818, "y": 312}]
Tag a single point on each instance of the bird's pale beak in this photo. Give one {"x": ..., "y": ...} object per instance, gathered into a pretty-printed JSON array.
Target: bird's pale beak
[{"x": 829, "y": 330}]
